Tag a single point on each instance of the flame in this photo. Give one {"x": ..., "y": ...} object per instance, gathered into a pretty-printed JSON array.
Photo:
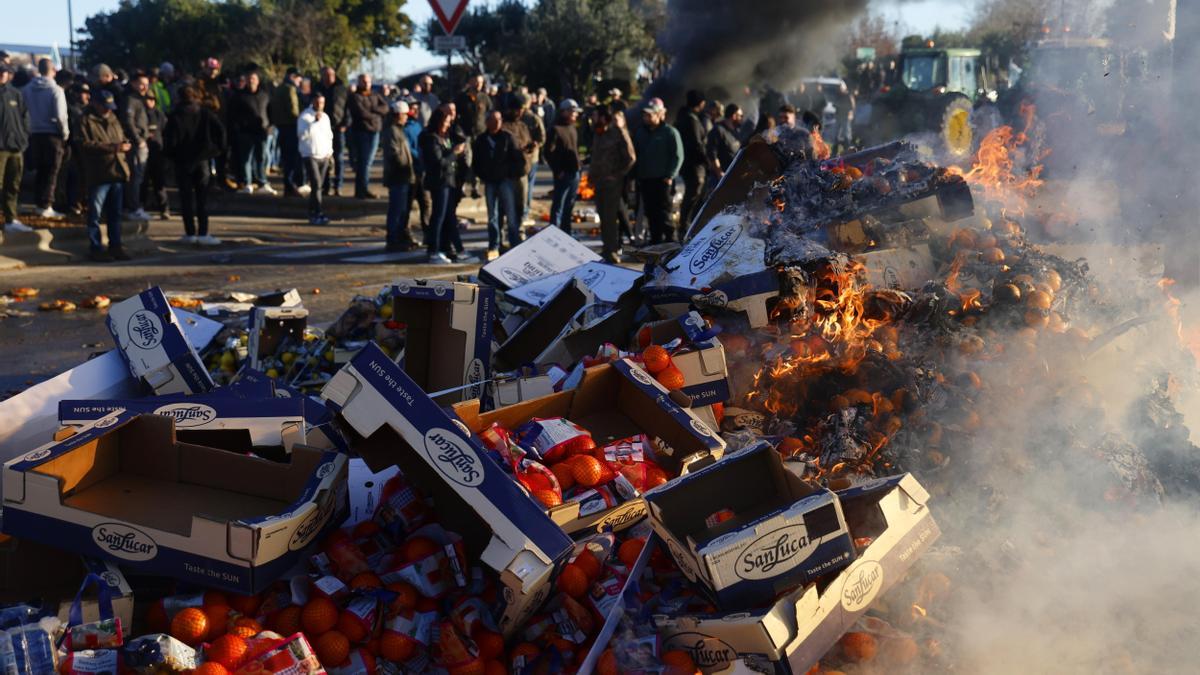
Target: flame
[
  {"x": 821, "y": 149},
  {"x": 586, "y": 191},
  {"x": 1189, "y": 337},
  {"x": 919, "y": 611},
  {"x": 992, "y": 170}
]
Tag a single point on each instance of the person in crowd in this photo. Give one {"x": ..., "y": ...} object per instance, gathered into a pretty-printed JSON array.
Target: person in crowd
[
  {"x": 193, "y": 137},
  {"x": 548, "y": 110},
  {"x": 105, "y": 147},
  {"x": 522, "y": 126},
  {"x": 137, "y": 131},
  {"x": 844, "y": 105},
  {"x": 103, "y": 77},
  {"x": 367, "y": 110},
  {"x": 335, "y": 93},
  {"x": 284, "y": 110},
  {"x": 14, "y": 138},
  {"x": 787, "y": 116},
  {"x": 249, "y": 123},
  {"x": 611, "y": 159},
  {"x": 537, "y": 134},
  {"x": 79, "y": 96},
  {"x": 306, "y": 92},
  {"x": 562, "y": 154},
  {"x": 423, "y": 92},
  {"x": 417, "y": 193},
  {"x": 399, "y": 174},
  {"x": 590, "y": 104},
  {"x": 690, "y": 125},
  {"x": 49, "y": 133},
  {"x": 439, "y": 154},
  {"x": 214, "y": 97},
  {"x": 155, "y": 184},
  {"x": 211, "y": 94},
  {"x": 723, "y": 143},
  {"x": 315, "y": 146},
  {"x": 615, "y": 102},
  {"x": 164, "y": 88},
  {"x": 498, "y": 161},
  {"x": 452, "y": 246},
  {"x": 473, "y": 106},
  {"x": 659, "y": 157}
]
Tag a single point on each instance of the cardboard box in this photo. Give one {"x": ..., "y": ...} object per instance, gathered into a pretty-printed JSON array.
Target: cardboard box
[
  {"x": 542, "y": 331},
  {"x": 794, "y": 633},
  {"x": 782, "y": 533},
  {"x": 398, "y": 424},
  {"x": 899, "y": 268},
  {"x": 606, "y": 282},
  {"x": 448, "y": 340},
  {"x": 216, "y": 421},
  {"x": 545, "y": 254},
  {"x": 612, "y": 618},
  {"x": 270, "y": 327},
  {"x": 124, "y": 488},
  {"x": 31, "y": 417},
  {"x": 30, "y": 571},
  {"x": 153, "y": 343},
  {"x": 705, "y": 373},
  {"x": 613, "y": 401},
  {"x": 514, "y": 390}
]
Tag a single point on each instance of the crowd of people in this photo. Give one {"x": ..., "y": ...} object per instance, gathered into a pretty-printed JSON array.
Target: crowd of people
[{"x": 102, "y": 143}]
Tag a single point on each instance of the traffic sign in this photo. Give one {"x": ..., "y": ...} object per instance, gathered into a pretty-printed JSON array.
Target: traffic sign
[
  {"x": 448, "y": 12},
  {"x": 449, "y": 43}
]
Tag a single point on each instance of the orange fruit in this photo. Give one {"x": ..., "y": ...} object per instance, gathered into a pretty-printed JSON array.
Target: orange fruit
[
  {"x": 671, "y": 378},
  {"x": 607, "y": 663},
  {"x": 368, "y": 660},
  {"x": 573, "y": 581},
  {"x": 286, "y": 621},
  {"x": 472, "y": 667},
  {"x": 218, "y": 620},
  {"x": 629, "y": 551},
  {"x": 215, "y": 598},
  {"x": 427, "y": 605},
  {"x": 332, "y": 648},
  {"x": 367, "y": 528},
  {"x": 156, "y": 618},
  {"x": 678, "y": 662},
  {"x": 373, "y": 647},
  {"x": 566, "y": 479},
  {"x": 419, "y": 547},
  {"x": 547, "y": 498},
  {"x": 243, "y": 632},
  {"x": 1039, "y": 300},
  {"x": 899, "y": 651},
  {"x": 526, "y": 649},
  {"x": 407, "y": 596},
  {"x": 210, "y": 668},
  {"x": 190, "y": 626},
  {"x": 366, "y": 580},
  {"x": 247, "y": 622},
  {"x": 718, "y": 409},
  {"x": 590, "y": 564},
  {"x": 490, "y": 643},
  {"x": 656, "y": 359},
  {"x": 245, "y": 604},
  {"x": 494, "y": 668},
  {"x": 859, "y": 647},
  {"x": 226, "y": 650},
  {"x": 587, "y": 470},
  {"x": 319, "y": 616},
  {"x": 396, "y": 647},
  {"x": 349, "y": 625}
]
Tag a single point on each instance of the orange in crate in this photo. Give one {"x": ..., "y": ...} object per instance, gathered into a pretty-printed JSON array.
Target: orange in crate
[
  {"x": 407, "y": 595},
  {"x": 490, "y": 643},
  {"x": 218, "y": 620},
  {"x": 245, "y": 604},
  {"x": 190, "y": 626},
  {"x": 475, "y": 666},
  {"x": 418, "y": 547},
  {"x": 656, "y": 359},
  {"x": 352, "y": 627},
  {"x": 607, "y": 663},
  {"x": 332, "y": 648},
  {"x": 547, "y": 498},
  {"x": 286, "y": 621},
  {"x": 587, "y": 470},
  {"x": 215, "y": 598},
  {"x": 494, "y": 668},
  {"x": 566, "y": 479},
  {"x": 630, "y": 550},
  {"x": 319, "y": 616},
  {"x": 366, "y": 580},
  {"x": 226, "y": 650},
  {"x": 859, "y": 647},
  {"x": 573, "y": 581},
  {"x": 247, "y": 622},
  {"x": 396, "y": 647},
  {"x": 590, "y": 564},
  {"x": 678, "y": 662},
  {"x": 671, "y": 378},
  {"x": 211, "y": 668}
]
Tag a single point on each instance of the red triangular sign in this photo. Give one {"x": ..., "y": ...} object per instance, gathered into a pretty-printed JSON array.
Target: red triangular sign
[{"x": 448, "y": 13}]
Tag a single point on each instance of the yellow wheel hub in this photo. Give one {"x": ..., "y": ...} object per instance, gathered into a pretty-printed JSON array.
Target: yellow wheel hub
[{"x": 958, "y": 132}]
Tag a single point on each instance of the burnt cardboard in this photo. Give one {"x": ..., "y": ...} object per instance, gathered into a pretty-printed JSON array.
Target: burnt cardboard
[
  {"x": 546, "y": 253},
  {"x": 152, "y": 341},
  {"x": 448, "y": 339},
  {"x": 781, "y": 534},
  {"x": 30, "y": 571},
  {"x": 606, "y": 282},
  {"x": 125, "y": 489},
  {"x": 395, "y": 423},
  {"x": 270, "y": 327},
  {"x": 613, "y": 401},
  {"x": 899, "y": 268},
  {"x": 544, "y": 328},
  {"x": 789, "y": 636}
]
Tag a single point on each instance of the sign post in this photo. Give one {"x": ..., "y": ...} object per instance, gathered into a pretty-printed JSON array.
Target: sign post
[{"x": 449, "y": 13}]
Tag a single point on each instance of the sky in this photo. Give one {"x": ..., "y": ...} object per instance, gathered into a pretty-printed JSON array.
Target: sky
[{"x": 45, "y": 22}]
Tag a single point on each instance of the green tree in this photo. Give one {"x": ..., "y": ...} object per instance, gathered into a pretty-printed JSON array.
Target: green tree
[
  {"x": 494, "y": 37},
  {"x": 571, "y": 43},
  {"x": 146, "y": 32}
]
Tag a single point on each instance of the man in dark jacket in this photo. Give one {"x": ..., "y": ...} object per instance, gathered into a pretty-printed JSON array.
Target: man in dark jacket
[
  {"x": 284, "y": 111},
  {"x": 137, "y": 129},
  {"x": 562, "y": 154},
  {"x": 473, "y": 105},
  {"x": 659, "y": 156},
  {"x": 523, "y": 127},
  {"x": 104, "y": 146},
  {"x": 335, "y": 94},
  {"x": 723, "y": 143},
  {"x": 194, "y": 135},
  {"x": 399, "y": 174},
  {"x": 498, "y": 162},
  {"x": 537, "y": 135},
  {"x": 248, "y": 123},
  {"x": 367, "y": 111},
  {"x": 79, "y": 96},
  {"x": 14, "y": 138},
  {"x": 155, "y": 185},
  {"x": 691, "y": 130}
]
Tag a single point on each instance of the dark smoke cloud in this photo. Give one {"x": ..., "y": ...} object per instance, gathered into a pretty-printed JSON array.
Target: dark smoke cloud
[{"x": 722, "y": 46}]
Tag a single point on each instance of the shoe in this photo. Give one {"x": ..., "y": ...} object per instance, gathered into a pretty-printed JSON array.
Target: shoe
[
  {"x": 610, "y": 258},
  {"x": 49, "y": 212},
  {"x": 491, "y": 254},
  {"x": 118, "y": 254},
  {"x": 453, "y": 256},
  {"x": 100, "y": 256},
  {"x": 318, "y": 220},
  {"x": 17, "y": 226},
  {"x": 246, "y": 189},
  {"x": 268, "y": 189},
  {"x": 208, "y": 240},
  {"x": 187, "y": 239},
  {"x": 304, "y": 190},
  {"x": 140, "y": 214},
  {"x": 164, "y": 215},
  {"x": 528, "y": 222},
  {"x": 439, "y": 259}
]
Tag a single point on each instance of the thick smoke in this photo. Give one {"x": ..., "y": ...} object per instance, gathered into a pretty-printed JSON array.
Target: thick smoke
[{"x": 723, "y": 46}]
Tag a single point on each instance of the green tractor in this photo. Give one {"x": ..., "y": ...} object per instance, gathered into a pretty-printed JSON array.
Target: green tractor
[{"x": 934, "y": 91}]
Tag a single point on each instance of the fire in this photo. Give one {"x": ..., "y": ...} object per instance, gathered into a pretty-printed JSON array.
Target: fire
[
  {"x": 1189, "y": 337},
  {"x": 821, "y": 149},
  {"x": 993, "y": 168},
  {"x": 586, "y": 191}
]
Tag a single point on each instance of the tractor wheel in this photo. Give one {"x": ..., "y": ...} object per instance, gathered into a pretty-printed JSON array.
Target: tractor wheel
[{"x": 955, "y": 130}]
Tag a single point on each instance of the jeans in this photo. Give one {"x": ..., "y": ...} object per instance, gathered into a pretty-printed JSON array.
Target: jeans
[
  {"x": 193, "y": 197},
  {"x": 693, "y": 195},
  {"x": 333, "y": 179},
  {"x": 441, "y": 218},
  {"x": 137, "y": 173},
  {"x": 365, "y": 145},
  {"x": 529, "y": 192},
  {"x": 424, "y": 201},
  {"x": 12, "y": 165},
  {"x": 47, "y": 154},
  {"x": 317, "y": 171},
  {"x": 501, "y": 205},
  {"x": 562, "y": 200},
  {"x": 289, "y": 158},
  {"x": 399, "y": 203},
  {"x": 105, "y": 197},
  {"x": 251, "y": 158},
  {"x": 155, "y": 185},
  {"x": 656, "y": 203},
  {"x": 608, "y": 204}
]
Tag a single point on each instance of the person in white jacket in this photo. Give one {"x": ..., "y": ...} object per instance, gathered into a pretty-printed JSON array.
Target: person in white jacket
[{"x": 316, "y": 150}]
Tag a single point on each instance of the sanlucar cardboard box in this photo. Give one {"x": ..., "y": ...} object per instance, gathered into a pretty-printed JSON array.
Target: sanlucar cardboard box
[
  {"x": 746, "y": 546},
  {"x": 152, "y": 341},
  {"x": 551, "y": 251},
  {"x": 448, "y": 335},
  {"x": 270, "y": 327},
  {"x": 395, "y": 423},
  {"x": 124, "y": 488},
  {"x": 613, "y": 401},
  {"x": 792, "y": 634}
]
